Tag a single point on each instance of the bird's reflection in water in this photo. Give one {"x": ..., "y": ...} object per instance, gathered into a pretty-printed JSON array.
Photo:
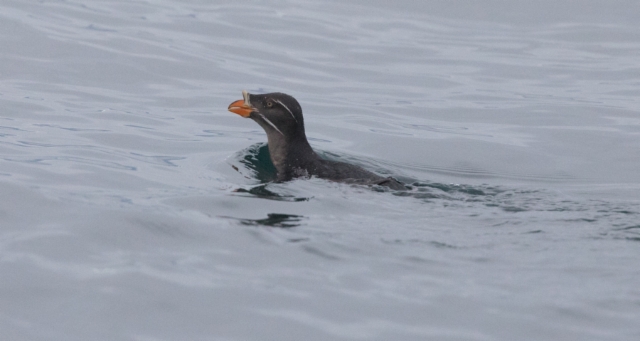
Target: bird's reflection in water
[
  {"x": 261, "y": 191},
  {"x": 274, "y": 220}
]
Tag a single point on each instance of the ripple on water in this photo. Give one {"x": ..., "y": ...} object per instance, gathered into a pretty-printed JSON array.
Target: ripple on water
[
  {"x": 518, "y": 205},
  {"x": 516, "y": 129}
]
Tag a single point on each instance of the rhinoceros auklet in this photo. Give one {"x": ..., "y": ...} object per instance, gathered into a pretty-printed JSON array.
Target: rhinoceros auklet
[{"x": 280, "y": 116}]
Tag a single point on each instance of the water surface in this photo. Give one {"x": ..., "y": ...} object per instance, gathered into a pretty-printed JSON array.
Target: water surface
[{"x": 133, "y": 206}]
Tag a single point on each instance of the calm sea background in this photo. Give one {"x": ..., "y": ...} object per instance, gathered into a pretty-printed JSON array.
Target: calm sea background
[{"x": 134, "y": 206}]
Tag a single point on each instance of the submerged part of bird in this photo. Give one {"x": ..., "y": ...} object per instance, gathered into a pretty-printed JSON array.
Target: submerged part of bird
[{"x": 280, "y": 115}]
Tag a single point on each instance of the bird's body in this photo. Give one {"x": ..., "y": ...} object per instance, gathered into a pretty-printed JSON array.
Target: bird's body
[{"x": 280, "y": 116}]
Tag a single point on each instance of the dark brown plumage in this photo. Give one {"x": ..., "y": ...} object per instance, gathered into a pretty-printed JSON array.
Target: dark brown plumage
[{"x": 280, "y": 115}]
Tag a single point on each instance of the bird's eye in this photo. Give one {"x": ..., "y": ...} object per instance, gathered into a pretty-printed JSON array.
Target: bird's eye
[{"x": 269, "y": 104}]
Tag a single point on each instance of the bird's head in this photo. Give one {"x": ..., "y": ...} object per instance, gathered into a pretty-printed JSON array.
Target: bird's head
[{"x": 276, "y": 113}]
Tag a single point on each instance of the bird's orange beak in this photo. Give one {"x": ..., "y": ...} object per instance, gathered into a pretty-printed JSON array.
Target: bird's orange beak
[{"x": 242, "y": 107}]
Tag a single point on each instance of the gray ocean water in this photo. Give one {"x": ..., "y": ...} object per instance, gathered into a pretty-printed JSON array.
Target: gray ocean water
[{"x": 134, "y": 206}]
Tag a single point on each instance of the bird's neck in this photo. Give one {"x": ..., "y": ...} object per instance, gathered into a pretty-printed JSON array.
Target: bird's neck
[{"x": 290, "y": 156}]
